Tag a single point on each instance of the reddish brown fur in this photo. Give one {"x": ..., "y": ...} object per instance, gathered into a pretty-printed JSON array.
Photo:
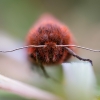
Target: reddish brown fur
[{"x": 48, "y": 31}]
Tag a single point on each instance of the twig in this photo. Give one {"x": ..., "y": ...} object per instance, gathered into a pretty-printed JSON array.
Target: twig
[{"x": 25, "y": 90}]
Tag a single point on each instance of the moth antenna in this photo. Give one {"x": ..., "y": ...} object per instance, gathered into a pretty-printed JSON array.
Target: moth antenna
[
  {"x": 37, "y": 46},
  {"x": 80, "y": 47}
]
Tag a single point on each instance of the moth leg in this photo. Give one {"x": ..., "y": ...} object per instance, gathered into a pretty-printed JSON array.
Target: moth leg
[
  {"x": 41, "y": 66},
  {"x": 75, "y": 55},
  {"x": 32, "y": 65},
  {"x": 37, "y": 59},
  {"x": 44, "y": 71}
]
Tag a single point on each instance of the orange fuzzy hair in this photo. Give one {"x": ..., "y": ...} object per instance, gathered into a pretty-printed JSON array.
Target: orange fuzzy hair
[{"x": 50, "y": 32}]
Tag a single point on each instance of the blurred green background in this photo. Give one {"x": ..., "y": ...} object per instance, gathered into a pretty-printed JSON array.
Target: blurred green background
[{"x": 81, "y": 16}]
